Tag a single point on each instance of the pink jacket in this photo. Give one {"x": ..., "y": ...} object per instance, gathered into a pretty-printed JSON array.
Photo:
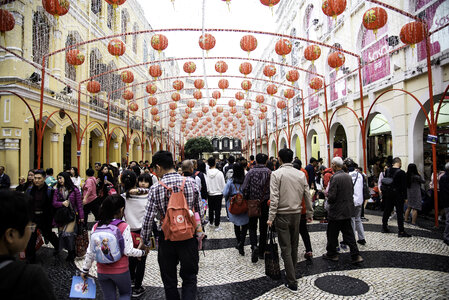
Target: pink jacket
[{"x": 90, "y": 189}]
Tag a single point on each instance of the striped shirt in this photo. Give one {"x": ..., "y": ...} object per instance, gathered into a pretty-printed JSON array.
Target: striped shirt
[{"x": 159, "y": 196}]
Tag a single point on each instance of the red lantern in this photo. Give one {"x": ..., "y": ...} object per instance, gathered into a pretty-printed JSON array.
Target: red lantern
[
  {"x": 207, "y": 41},
  {"x": 216, "y": 95},
  {"x": 375, "y": 18},
  {"x": 171, "y": 125},
  {"x": 188, "y": 110},
  {"x": 133, "y": 106},
  {"x": 173, "y": 106},
  {"x": 197, "y": 95},
  {"x": 151, "y": 88},
  {"x": 199, "y": 83},
  {"x": 245, "y": 68},
  {"x": 191, "y": 104},
  {"x": 226, "y": 114},
  {"x": 93, "y": 87},
  {"x": 312, "y": 53},
  {"x": 155, "y": 117},
  {"x": 173, "y": 118},
  {"x": 316, "y": 83},
  {"x": 152, "y": 101},
  {"x": 212, "y": 102},
  {"x": 128, "y": 95},
  {"x": 155, "y": 71},
  {"x": 272, "y": 89},
  {"x": 231, "y": 103},
  {"x": 154, "y": 111},
  {"x": 239, "y": 96},
  {"x": 178, "y": 85},
  {"x": 292, "y": 76},
  {"x": 251, "y": 123},
  {"x": 269, "y": 71},
  {"x": 115, "y": 3},
  {"x": 7, "y": 21},
  {"x": 269, "y": 3},
  {"x": 116, "y": 47},
  {"x": 246, "y": 85},
  {"x": 283, "y": 47},
  {"x": 189, "y": 67},
  {"x": 238, "y": 115},
  {"x": 247, "y": 105},
  {"x": 260, "y": 99},
  {"x": 205, "y": 109},
  {"x": 159, "y": 42},
  {"x": 223, "y": 84},
  {"x": 289, "y": 93},
  {"x": 281, "y": 104},
  {"x": 175, "y": 96},
  {"x": 221, "y": 67},
  {"x": 127, "y": 76},
  {"x": 246, "y": 112},
  {"x": 262, "y": 116},
  {"x": 248, "y": 43},
  {"x": 199, "y": 115},
  {"x": 233, "y": 110},
  {"x": 56, "y": 8},
  {"x": 219, "y": 109},
  {"x": 214, "y": 114},
  {"x": 74, "y": 57},
  {"x": 185, "y": 117},
  {"x": 230, "y": 119},
  {"x": 336, "y": 60},
  {"x": 412, "y": 33},
  {"x": 263, "y": 108},
  {"x": 333, "y": 8},
  {"x": 250, "y": 118}
]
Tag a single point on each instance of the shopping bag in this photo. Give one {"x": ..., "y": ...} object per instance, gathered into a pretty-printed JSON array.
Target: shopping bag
[
  {"x": 272, "y": 268},
  {"x": 39, "y": 240},
  {"x": 83, "y": 289},
  {"x": 81, "y": 241}
]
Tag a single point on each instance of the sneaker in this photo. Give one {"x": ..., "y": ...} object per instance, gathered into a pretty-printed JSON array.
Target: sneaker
[
  {"x": 385, "y": 230},
  {"x": 330, "y": 257},
  {"x": 137, "y": 292},
  {"x": 255, "y": 255},
  {"x": 292, "y": 288},
  {"x": 403, "y": 234},
  {"x": 362, "y": 242},
  {"x": 364, "y": 219},
  {"x": 356, "y": 260},
  {"x": 343, "y": 246},
  {"x": 308, "y": 255},
  {"x": 218, "y": 228},
  {"x": 133, "y": 284}
]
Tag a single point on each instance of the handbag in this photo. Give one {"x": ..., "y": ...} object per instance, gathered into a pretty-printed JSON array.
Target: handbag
[
  {"x": 81, "y": 241},
  {"x": 366, "y": 192},
  {"x": 254, "y": 206},
  {"x": 238, "y": 205},
  {"x": 272, "y": 268},
  {"x": 64, "y": 215}
]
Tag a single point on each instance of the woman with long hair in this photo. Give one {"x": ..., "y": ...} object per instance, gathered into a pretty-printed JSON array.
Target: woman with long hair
[
  {"x": 106, "y": 181},
  {"x": 241, "y": 221},
  {"x": 23, "y": 186},
  {"x": 66, "y": 194},
  {"x": 75, "y": 176},
  {"x": 414, "y": 199},
  {"x": 114, "y": 275}
]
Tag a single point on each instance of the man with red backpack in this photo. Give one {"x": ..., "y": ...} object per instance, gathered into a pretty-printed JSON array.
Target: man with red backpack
[{"x": 178, "y": 242}]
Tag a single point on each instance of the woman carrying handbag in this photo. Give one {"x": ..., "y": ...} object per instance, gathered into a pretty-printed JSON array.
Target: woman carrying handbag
[{"x": 69, "y": 207}]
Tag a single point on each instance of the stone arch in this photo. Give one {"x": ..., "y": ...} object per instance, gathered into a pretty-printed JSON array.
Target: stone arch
[
  {"x": 313, "y": 143},
  {"x": 296, "y": 145},
  {"x": 336, "y": 130}
]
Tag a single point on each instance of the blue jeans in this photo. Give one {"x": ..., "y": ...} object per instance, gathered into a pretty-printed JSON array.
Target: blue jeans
[{"x": 110, "y": 282}]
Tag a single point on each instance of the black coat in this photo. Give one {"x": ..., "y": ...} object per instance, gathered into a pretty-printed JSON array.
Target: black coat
[
  {"x": 444, "y": 190},
  {"x": 340, "y": 197}
]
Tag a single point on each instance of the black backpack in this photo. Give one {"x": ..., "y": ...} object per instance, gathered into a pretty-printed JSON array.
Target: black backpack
[{"x": 387, "y": 186}]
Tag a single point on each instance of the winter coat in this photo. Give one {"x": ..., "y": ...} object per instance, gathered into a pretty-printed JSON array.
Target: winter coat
[
  {"x": 340, "y": 197},
  {"x": 74, "y": 198}
]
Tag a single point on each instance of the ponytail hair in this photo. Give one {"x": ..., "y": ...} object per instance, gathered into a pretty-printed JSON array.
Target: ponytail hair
[
  {"x": 129, "y": 180},
  {"x": 110, "y": 207}
]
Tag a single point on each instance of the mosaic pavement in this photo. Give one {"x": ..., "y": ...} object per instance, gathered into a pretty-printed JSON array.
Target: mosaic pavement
[{"x": 394, "y": 268}]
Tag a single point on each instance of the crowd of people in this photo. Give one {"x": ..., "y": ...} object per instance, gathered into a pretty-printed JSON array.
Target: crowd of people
[{"x": 141, "y": 207}]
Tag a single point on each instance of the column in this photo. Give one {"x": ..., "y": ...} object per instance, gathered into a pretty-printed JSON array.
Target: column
[
  {"x": 56, "y": 162},
  {"x": 11, "y": 161},
  {"x": 101, "y": 151}
]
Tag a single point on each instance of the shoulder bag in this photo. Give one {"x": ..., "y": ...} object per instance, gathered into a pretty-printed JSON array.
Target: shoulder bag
[
  {"x": 254, "y": 205},
  {"x": 238, "y": 205},
  {"x": 272, "y": 268}
]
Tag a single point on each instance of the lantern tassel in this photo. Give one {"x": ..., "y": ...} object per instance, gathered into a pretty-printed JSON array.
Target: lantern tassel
[
  {"x": 4, "y": 37},
  {"x": 229, "y": 8}
]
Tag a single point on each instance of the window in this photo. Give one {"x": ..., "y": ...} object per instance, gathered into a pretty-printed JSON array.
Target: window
[
  {"x": 145, "y": 52},
  {"x": 125, "y": 20},
  {"x": 135, "y": 28},
  {"x": 95, "y": 6},
  {"x": 41, "y": 36},
  {"x": 110, "y": 16}
]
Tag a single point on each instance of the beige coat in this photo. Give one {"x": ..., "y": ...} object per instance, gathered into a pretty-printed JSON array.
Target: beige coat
[{"x": 287, "y": 187}]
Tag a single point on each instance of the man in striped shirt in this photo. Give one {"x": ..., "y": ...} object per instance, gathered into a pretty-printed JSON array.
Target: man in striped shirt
[{"x": 171, "y": 252}]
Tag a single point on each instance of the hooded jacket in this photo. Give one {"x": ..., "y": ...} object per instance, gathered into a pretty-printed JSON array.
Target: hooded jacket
[{"x": 215, "y": 182}]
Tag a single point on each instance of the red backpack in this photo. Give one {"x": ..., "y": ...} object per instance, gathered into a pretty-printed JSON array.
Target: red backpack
[{"x": 178, "y": 224}]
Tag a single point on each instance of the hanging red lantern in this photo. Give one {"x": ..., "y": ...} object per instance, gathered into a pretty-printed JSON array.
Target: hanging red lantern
[
  {"x": 191, "y": 104},
  {"x": 116, "y": 47},
  {"x": 185, "y": 117},
  {"x": 292, "y": 76},
  {"x": 272, "y": 89},
  {"x": 197, "y": 95},
  {"x": 413, "y": 33},
  {"x": 188, "y": 110},
  {"x": 262, "y": 116},
  {"x": 230, "y": 119},
  {"x": 56, "y": 8},
  {"x": 260, "y": 99},
  {"x": 226, "y": 114},
  {"x": 128, "y": 95},
  {"x": 245, "y": 68},
  {"x": 333, "y": 8},
  {"x": 223, "y": 84},
  {"x": 247, "y": 105},
  {"x": 189, "y": 67},
  {"x": 219, "y": 109},
  {"x": 151, "y": 88},
  {"x": 93, "y": 87},
  {"x": 199, "y": 115},
  {"x": 312, "y": 53},
  {"x": 239, "y": 96},
  {"x": 7, "y": 21},
  {"x": 133, "y": 106},
  {"x": 212, "y": 102},
  {"x": 248, "y": 43},
  {"x": 171, "y": 125},
  {"x": 175, "y": 96},
  {"x": 74, "y": 57},
  {"x": 263, "y": 108},
  {"x": 316, "y": 83},
  {"x": 172, "y": 118},
  {"x": 115, "y": 3},
  {"x": 246, "y": 85},
  {"x": 205, "y": 109},
  {"x": 247, "y": 112},
  {"x": 199, "y": 83},
  {"x": 269, "y": 3},
  {"x": 159, "y": 42},
  {"x": 232, "y": 103},
  {"x": 178, "y": 85},
  {"x": 127, "y": 76},
  {"x": 155, "y": 71},
  {"x": 233, "y": 110},
  {"x": 283, "y": 47},
  {"x": 289, "y": 93},
  {"x": 336, "y": 60},
  {"x": 214, "y": 114},
  {"x": 375, "y": 18},
  {"x": 154, "y": 111},
  {"x": 238, "y": 115},
  {"x": 250, "y": 123},
  {"x": 221, "y": 67},
  {"x": 173, "y": 105},
  {"x": 207, "y": 41},
  {"x": 269, "y": 71},
  {"x": 250, "y": 118},
  {"x": 216, "y": 95},
  {"x": 281, "y": 104},
  {"x": 152, "y": 101}
]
